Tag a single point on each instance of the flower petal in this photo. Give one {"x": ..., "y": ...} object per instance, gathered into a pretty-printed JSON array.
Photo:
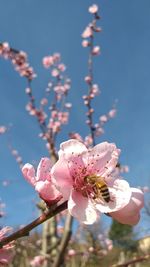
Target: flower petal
[
  {"x": 43, "y": 170},
  {"x": 72, "y": 147},
  {"x": 120, "y": 195},
  {"x": 102, "y": 159},
  {"x": 47, "y": 191},
  {"x": 130, "y": 214},
  {"x": 82, "y": 208},
  {"x": 72, "y": 152},
  {"x": 61, "y": 178},
  {"x": 29, "y": 173}
]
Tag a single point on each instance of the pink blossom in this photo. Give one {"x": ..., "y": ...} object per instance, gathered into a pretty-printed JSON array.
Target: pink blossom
[
  {"x": 87, "y": 32},
  {"x": 85, "y": 43},
  {"x": 112, "y": 113},
  {"x": 68, "y": 105},
  {"x": 103, "y": 118},
  {"x": 130, "y": 214},
  {"x": 96, "y": 50},
  {"x": 55, "y": 126},
  {"x": 76, "y": 136},
  {"x": 28, "y": 90},
  {"x": 93, "y": 9},
  {"x": 88, "y": 79},
  {"x": 73, "y": 174},
  {"x": 55, "y": 72},
  {"x": 42, "y": 180},
  {"x": 3, "y": 129},
  {"x": 95, "y": 89},
  {"x": 6, "y": 253},
  {"x": 56, "y": 57},
  {"x": 61, "y": 67},
  {"x": 44, "y": 101},
  {"x": 88, "y": 141},
  {"x": 37, "y": 261},
  {"x": 71, "y": 252},
  {"x": 48, "y": 61}
]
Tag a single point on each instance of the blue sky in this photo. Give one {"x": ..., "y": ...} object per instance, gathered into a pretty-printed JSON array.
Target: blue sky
[{"x": 122, "y": 71}]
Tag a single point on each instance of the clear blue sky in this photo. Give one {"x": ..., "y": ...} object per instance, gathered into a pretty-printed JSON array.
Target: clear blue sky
[{"x": 122, "y": 71}]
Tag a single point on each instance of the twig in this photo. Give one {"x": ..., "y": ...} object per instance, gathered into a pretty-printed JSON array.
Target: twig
[
  {"x": 126, "y": 264},
  {"x": 25, "y": 230}
]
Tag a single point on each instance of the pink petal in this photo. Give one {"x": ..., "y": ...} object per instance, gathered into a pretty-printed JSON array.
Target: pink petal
[
  {"x": 81, "y": 208},
  {"x": 102, "y": 159},
  {"x": 120, "y": 195},
  {"x": 61, "y": 177},
  {"x": 47, "y": 191},
  {"x": 29, "y": 173},
  {"x": 72, "y": 148},
  {"x": 72, "y": 152},
  {"x": 130, "y": 214},
  {"x": 43, "y": 170}
]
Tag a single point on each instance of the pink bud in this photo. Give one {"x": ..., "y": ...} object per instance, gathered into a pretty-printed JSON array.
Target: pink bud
[
  {"x": 71, "y": 252},
  {"x": 93, "y": 9},
  {"x": 85, "y": 43},
  {"x": 88, "y": 79},
  {"x": 96, "y": 50}
]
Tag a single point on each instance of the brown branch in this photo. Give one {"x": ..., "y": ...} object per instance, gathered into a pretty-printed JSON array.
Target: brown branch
[
  {"x": 25, "y": 230},
  {"x": 126, "y": 264}
]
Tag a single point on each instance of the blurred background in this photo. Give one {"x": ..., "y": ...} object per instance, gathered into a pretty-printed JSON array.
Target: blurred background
[{"x": 122, "y": 71}]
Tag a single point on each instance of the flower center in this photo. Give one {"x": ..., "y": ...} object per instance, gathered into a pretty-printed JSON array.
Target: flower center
[{"x": 95, "y": 187}]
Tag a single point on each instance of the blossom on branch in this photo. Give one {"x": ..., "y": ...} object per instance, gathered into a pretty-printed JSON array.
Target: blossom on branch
[
  {"x": 42, "y": 181},
  {"x": 37, "y": 261},
  {"x": 87, "y": 179}
]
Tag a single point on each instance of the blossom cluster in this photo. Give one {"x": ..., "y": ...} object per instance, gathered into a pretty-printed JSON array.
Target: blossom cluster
[
  {"x": 37, "y": 261},
  {"x": 88, "y": 41},
  {"x": 87, "y": 179},
  {"x": 53, "y": 116},
  {"x": 19, "y": 60}
]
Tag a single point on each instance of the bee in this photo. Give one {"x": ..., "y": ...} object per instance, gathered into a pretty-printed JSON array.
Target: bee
[{"x": 99, "y": 187}]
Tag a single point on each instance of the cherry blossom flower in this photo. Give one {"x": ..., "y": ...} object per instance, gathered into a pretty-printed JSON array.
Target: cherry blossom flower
[
  {"x": 6, "y": 253},
  {"x": 79, "y": 175},
  {"x": 85, "y": 43},
  {"x": 112, "y": 113},
  {"x": 3, "y": 129},
  {"x": 87, "y": 32},
  {"x": 71, "y": 252},
  {"x": 48, "y": 61},
  {"x": 42, "y": 180},
  {"x": 37, "y": 261},
  {"x": 96, "y": 50},
  {"x": 93, "y": 9}
]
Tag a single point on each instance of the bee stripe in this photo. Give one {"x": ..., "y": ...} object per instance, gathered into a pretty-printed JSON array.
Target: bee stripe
[{"x": 105, "y": 194}]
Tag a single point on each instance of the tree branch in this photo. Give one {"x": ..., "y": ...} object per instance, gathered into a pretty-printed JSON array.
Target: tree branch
[
  {"x": 126, "y": 264},
  {"x": 25, "y": 230}
]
